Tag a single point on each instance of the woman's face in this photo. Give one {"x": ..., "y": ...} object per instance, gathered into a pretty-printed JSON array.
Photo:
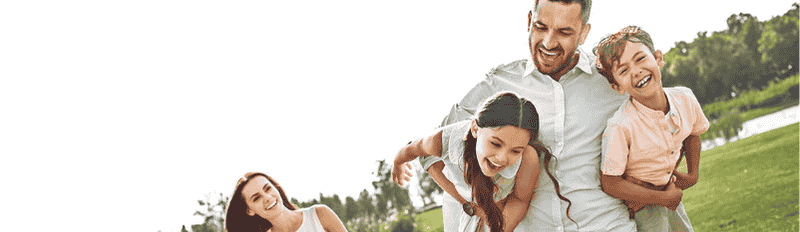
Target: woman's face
[
  {"x": 499, "y": 147},
  {"x": 262, "y": 198}
]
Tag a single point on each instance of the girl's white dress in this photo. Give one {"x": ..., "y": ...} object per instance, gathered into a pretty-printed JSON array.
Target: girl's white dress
[
  {"x": 455, "y": 220},
  {"x": 311, "y": 222}
]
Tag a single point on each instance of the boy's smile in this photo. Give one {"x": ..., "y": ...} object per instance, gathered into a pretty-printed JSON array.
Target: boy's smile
[{"x": 638, "y": 73}]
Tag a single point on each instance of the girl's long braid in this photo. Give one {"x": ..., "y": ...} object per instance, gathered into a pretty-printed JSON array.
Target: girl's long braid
[
  {"x": 547, "y": 156},
  {"x": 483, "y": 187}
]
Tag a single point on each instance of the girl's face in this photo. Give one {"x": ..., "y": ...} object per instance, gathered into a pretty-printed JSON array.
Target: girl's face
[
  {"x": 498, "y": 147},
  {"x": 262, "y": 198}
]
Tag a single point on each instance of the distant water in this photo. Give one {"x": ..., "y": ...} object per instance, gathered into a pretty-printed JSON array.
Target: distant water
[{"x": 759, "y": 125}]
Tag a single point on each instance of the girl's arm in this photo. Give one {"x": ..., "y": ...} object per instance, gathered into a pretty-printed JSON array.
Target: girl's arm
[
  {"x": 330, "y": 222},
  {"x": 686, "y": 180},
  {"x": 431, "y": 145},
  {"x": 626, "y": 190},
  {"x": 516, "y": 204}
]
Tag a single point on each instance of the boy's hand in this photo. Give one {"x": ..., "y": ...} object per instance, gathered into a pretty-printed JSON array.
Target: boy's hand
[
  {"x": 401, "y": 172},
  {"x": 673, "y": 196},
  {"x": 684, "y": 180}
]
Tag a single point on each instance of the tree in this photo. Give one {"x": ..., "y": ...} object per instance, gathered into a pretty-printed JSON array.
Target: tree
[
  {"x": 365, "y": 200},
  {"x": 778, "y": 43},
  {"x": 213, "y": 214},
  {"x": 183, "y": 228},
  {"x": 352, "y": 209},
  {"x": 389, "y": 192}
]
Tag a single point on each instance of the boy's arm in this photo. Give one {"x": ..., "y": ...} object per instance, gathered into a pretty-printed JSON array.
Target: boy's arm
[
  {"x": 686, "y": 180},
  {"x": 625, "y": 190}
]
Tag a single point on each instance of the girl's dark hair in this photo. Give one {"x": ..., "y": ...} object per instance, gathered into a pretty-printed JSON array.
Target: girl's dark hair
[
  {"x": 236, "y": 218},
  {"x": 503, "y": 109}
]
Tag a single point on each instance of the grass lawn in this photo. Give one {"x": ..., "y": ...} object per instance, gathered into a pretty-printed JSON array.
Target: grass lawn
[
  {"x": 430, "y": 221},
  {"x": 748, "y": 185}
]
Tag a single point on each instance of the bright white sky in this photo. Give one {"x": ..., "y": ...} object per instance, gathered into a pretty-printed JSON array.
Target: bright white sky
[{"x": 121, "y": 115}]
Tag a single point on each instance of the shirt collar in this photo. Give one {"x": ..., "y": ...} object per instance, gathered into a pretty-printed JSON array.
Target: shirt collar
[
  {"x": 585, "y": 63},
  {"x": 655, "y": 113}
]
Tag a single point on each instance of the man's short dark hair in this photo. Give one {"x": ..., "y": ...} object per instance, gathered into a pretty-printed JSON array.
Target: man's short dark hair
[{"x": 586, "y": 7}]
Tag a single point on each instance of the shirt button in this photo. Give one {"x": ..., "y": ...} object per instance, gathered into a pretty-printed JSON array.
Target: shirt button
[{"x": 559, "y": 228}]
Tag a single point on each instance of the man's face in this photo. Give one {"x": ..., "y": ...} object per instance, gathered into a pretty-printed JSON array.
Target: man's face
[{"x": 556, "y": 30}]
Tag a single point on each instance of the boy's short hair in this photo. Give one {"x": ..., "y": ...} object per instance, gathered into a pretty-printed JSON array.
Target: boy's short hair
[{"x": 610, "y": 48}]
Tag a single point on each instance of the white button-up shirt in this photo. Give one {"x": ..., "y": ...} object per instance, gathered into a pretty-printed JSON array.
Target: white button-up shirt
[{"x": 572, "y": 116}]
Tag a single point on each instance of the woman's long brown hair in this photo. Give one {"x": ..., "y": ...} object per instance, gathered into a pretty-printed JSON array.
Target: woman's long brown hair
[
  {"x": 503, "y": 109},
  {"x": 236, "y": 218}
]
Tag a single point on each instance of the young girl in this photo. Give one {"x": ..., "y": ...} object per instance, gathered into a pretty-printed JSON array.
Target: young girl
[
  {"x": 259, "y": 204},
  {"x": 491, "y": 164},
  {"x": 643, "y": 141}
]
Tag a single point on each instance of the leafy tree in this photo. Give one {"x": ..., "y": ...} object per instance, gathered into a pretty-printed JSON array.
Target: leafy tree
[
  {"x": 389, "y": 192},
  {"x": 778, "y": 44},
  {"x": 352, "y": 209},
  {"x": 365, "y": 200},
  {"x": 213, "y": 213}
]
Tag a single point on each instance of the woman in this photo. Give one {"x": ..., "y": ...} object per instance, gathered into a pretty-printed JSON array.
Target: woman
[{"x": 259, "y": 204}]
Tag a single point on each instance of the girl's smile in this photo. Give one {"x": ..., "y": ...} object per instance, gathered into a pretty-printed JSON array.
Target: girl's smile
[{"x": 499, "y": 147}]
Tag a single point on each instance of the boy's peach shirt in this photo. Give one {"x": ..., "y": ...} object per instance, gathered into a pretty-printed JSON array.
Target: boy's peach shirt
[{"x": 638, "y": 141}]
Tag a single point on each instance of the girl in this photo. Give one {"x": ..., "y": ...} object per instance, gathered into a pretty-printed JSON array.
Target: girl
[
  {"x": 491, "y": 162},
  {"x": 259, "y": 204}
]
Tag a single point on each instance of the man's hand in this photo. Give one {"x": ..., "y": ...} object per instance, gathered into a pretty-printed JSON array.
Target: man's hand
[{"x": 401, "y": 172}]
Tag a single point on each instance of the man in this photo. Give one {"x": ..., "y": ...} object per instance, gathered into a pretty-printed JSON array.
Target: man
[{"x": 574, "y": 102}]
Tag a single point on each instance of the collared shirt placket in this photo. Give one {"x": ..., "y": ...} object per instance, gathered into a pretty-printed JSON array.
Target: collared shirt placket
[{"x": 558, "y": 150}]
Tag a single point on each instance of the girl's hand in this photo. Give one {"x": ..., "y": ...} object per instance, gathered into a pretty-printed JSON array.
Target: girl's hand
[{"x": 401, "y": 172}]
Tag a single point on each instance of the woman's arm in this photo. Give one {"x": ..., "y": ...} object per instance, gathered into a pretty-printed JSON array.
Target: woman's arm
[
  {"x": 515, "y": 205},
  {"x": 686, "y": 180},
  {"x": 626, "y": 190},
  {"x": 330, "y": 222},
  {"x": 431, "y": 145}
]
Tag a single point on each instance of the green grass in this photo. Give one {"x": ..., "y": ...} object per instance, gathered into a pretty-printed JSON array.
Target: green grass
[
  {"x": 748, "y": 185},
  {"x": 430, "y": 221}
]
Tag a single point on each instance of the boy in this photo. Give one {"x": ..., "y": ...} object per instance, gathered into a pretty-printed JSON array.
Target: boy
[{"x": 644, "y": 139}]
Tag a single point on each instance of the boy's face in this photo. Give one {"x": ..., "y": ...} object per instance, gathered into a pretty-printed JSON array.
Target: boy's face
[{"x": 638, "y": 72}]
